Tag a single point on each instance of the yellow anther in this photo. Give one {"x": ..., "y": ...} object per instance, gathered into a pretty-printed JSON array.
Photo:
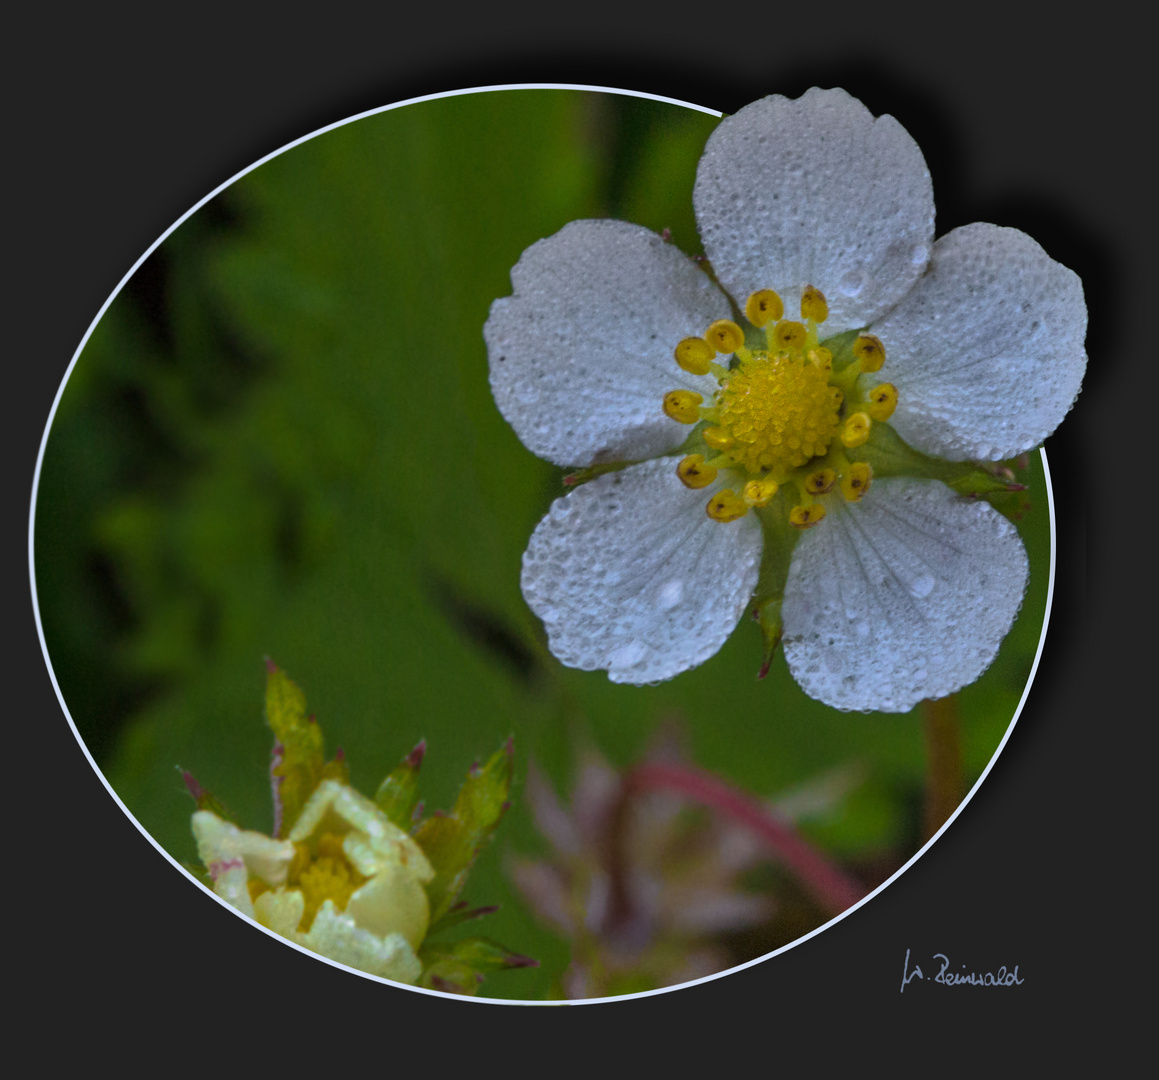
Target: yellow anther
[
  {"x": 805, "y": 517},
  {"x": 789, "y": 335},
  {"x": 882, "y": 401},
  {"x": 870, "y": 352},
  {"x": 822, "y": 357},
  {"x": 836, "y": 396},
  {"x": 695, "y": 355},
  {"x": 726, "y": 506},
  {"x": 856, "y": 429},
  {"x": 759, "y": 492},
  {"x": 813, "y": 305},
  {"x": 683, "y": 405},
  {"x": 763, "y": 306},
  {"x": 694, "y": 473},
  {"x": 855, "y": 482},
  {"x": 821, "y": 481},
  {"x": 717, "y": 438},
  {"x": 724, "y": 336}
]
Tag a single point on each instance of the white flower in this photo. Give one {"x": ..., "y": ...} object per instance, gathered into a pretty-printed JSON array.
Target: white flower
[
  {"x": 903, "y": 590},
  {"x": 346, "y": 883}
]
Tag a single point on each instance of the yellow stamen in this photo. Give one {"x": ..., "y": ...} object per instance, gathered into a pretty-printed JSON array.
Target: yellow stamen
[
  {"x": 759, "y": 492},
  {"x": 821, "y": 481},
  {"x": 695, "y": 355},
  {"x": 726, "y": 506},
  {"x": 856, "y": 429},
  {"x": 813, "y": 305},
  {"x": 822, "y": 357},
  {"x": 788, "y": 335},
  {"x": 882, "y": 401},
  {"x": 763, "y": 306},
  {"x": 855, "y": 482},
  {"x": 694, "y": 473},
  {"x": 683, "y": 406},
  {"x": 717, "y": 438},
  {"x": 870, "y": 352},
  {"x": 805, "y": 517},
  {"x": 724, "y": 336}
]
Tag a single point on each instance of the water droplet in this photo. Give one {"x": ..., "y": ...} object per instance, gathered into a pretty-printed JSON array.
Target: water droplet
[
  {"x": 920, "y": 254},
  {"x": 628, "y": 655},
  {"x": 852, "y": 283},
  {"x": 670, "y": 594},
  {"x": 922, "y": 586}
]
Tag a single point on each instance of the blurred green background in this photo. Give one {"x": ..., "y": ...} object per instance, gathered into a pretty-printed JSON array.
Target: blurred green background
[{"x": 280, "y": 441}]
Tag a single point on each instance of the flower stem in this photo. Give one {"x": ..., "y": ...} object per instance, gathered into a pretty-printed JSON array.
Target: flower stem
[
  {"x": 829, "y": 885},
  {"x": 944, "y": 787}
]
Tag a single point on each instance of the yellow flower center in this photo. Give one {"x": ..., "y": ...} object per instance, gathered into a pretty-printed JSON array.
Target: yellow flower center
[
  {"x": 779, "y": 411},
  {"x": 325, "y": 874},
  {"x": 782, "y": 415}
]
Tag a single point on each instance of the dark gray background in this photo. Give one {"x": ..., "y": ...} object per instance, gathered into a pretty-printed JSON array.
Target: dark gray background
[{"x": 119, "y": 121}]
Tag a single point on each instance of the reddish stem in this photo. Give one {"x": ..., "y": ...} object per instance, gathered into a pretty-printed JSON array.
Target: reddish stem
[{"x": 832, "y": 888}]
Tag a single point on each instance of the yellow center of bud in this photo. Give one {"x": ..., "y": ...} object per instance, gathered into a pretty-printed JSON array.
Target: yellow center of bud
[{"x": 326, "y": 874}]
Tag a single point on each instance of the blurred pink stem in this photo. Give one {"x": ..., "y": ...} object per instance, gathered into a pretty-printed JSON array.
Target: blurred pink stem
[{"x": 832, "y": 888}]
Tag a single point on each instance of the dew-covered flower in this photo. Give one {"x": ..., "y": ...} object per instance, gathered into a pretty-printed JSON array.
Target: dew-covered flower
[
  {"x": 345, "y": 882},
  {"x": 784, "y": 443}
]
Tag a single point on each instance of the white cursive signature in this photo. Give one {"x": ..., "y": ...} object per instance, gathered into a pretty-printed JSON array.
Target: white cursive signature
[{"x": 1001, "y": 977}]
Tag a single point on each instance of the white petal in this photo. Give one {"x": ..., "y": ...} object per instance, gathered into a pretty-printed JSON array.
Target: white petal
[
  {"x": 391, "y": 902},
  {"x": 629, "y": 574},
  {"x": 233, "y": 856},
  {"x": 281, "y": 911},
  {"x": 903, "y": 596},
  {"x": 987, "y": 349},
  {"x": 815, "y": 191},
  {"x": 336, "y": 936},
  {"x": 581, "y": 353}
]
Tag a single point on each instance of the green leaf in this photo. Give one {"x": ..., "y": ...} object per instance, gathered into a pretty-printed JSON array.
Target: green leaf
[
  {"x": 451, "y": 841},
  {"x": 298, "y": 762},
  {"x": 398, "y": 793}
]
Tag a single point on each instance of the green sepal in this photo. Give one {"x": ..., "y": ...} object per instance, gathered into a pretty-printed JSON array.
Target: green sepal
[
  {"x": 460, "y": 913},
  {"x": 780, "y": 538},
  {"x": 298, "y": 761},
  {"x": 458, "y": 967},
  {"x": 589, "y": 472},
  {"x": 205, "y": 800},
  {"x": 841, "y": 346},
  {"x": 451, "y": 841},
  {"x": 398, "y": 794},
  {"x": 772, "y": 628},
  {"x": 889, "y": 455}
]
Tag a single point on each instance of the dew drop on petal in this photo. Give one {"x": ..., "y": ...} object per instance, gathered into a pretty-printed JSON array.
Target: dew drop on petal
[
  {"x": 922, "y": 586},
  {"x": 851, "y": 283},
  {"x": 921, "y": 255},
  {"x": 627, "y": 655},
  {"x": 670, "y": 594}
]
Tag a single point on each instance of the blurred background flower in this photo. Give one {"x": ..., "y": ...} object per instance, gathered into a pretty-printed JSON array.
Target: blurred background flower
[{"x": 653, "y": 890}]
